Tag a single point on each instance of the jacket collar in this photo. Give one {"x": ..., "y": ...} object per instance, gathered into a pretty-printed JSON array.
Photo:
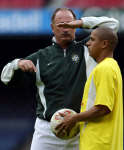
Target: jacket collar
[{"x": 57, "y": 45}]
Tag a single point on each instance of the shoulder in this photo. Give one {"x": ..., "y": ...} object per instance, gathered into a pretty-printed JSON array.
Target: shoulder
[
  {"x": 107, "y": 67},
  {"x": 108, "y": 63},
  {"x": 44, "y": 51},
  {"x": 78, "y": 45},
  {"x": 83, "y": 41}
]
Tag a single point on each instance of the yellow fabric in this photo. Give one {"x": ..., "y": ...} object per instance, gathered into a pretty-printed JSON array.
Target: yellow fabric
[{"x": 105, "y": 133}]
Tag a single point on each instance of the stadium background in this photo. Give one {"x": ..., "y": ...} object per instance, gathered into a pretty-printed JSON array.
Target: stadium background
[{"x": 25, "y": 28}]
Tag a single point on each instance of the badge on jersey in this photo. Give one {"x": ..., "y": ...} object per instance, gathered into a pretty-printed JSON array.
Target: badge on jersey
[{"x": 75, "y": 58}]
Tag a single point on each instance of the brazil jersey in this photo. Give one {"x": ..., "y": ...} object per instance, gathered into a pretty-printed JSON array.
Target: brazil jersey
[{"x": 103, "y": 87}]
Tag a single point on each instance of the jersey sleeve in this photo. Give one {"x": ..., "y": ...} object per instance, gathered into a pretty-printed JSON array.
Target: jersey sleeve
[{"x": 105, "y": 82}]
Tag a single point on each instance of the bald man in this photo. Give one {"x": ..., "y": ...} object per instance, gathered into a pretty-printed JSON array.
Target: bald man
[{"x": 101, "y": 116}]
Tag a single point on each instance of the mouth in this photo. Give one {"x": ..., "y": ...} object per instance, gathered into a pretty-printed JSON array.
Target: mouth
[{"x": 66, "y": 34}]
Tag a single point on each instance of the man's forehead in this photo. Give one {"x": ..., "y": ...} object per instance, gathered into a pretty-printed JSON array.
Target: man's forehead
[
  {"x": 94, "y": 33},
  {"x": 64, "y": 14}
]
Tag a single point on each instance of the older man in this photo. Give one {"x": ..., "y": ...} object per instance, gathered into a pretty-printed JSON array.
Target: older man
[{"x": 59, "y": 72}]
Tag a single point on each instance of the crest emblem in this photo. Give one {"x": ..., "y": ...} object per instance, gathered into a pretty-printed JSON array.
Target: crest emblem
[{"x": 75, "y": 58}]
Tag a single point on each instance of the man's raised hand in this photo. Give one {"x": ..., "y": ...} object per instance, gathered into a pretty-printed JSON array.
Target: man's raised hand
[{"x": 72, "y": 24}]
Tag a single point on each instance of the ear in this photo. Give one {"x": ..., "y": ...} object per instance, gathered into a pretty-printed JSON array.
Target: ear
[{"x": 105, "y": 44}]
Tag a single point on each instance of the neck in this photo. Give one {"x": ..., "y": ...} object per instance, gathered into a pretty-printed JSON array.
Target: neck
[
  {"x": 63, "y": 43},
  {"x": 63, "y": 46},
  {"x": 102, "y": 57}
]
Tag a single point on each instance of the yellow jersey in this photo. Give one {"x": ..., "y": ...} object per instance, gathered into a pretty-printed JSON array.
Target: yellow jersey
[{"x": 103, "y": 87}]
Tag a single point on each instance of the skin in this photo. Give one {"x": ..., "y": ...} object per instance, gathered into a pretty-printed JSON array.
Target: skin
[
  {"x": 63, "y": 35},
  {"x": 26, "y": 66},
  {"x": 73, "y": 24},
  {"x": 99, "y": 49},
  {"x": 63, "y": 28},
  {"x": 69, "y": 121}
]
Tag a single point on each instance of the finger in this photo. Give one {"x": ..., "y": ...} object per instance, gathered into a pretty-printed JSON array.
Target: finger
[
  {"x": 27, "y": 65},
  {"x": 34, "y": 68},
  {"x": 61, "y": 133},
  {"x": 62, "y": 114},
  {"x": 30, "y": 67},
  {"x": 63, "y": 25},
  {"x": 59, "y": 126},
  {"x": 23, "y": 68},
  {"x": 60, "y": 24}
]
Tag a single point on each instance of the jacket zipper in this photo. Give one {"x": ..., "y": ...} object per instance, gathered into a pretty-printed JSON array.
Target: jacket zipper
[{"x": 64, "y": 52}]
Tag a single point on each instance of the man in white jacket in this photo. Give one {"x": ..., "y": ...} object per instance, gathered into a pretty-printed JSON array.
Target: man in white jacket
[{"x": 59, "y": 72}]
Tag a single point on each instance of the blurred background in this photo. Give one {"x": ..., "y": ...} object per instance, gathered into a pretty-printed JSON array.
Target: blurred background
[{"x": 25, "y": 28}]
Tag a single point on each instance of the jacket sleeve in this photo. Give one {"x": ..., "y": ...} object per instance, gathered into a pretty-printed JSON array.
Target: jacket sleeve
[
  {"x": 11, "y": 70},
  {"x": 8, "y": 71},
  {"x": 93, "y": 22},
  {"x": 90, "y": 62}
]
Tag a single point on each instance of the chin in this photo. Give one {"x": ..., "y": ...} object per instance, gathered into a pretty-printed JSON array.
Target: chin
[
  {"x": 90, "y": 53},
  {"x": 66, "y": 40}
]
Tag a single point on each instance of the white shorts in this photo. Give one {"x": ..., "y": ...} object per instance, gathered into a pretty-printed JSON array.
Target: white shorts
[{"x": 44, "y": 139}]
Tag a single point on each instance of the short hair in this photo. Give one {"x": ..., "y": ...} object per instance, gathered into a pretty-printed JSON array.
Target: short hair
[
  {"x": 62, "y": 9},
  {"x": 109, "y": 34}
]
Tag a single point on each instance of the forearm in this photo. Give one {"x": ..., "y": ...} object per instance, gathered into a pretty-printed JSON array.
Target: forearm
[
  {"x": 92, "y": 22},
  {"x": 77, "y": 23},
  {"x": 91, "y": 114}
]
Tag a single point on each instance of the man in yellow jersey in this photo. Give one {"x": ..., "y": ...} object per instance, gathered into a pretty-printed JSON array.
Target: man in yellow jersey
[{"x": 101, "y": 116}]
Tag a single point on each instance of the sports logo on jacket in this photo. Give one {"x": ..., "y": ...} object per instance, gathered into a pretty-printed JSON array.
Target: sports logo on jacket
[{"x": 75, "y": 58}]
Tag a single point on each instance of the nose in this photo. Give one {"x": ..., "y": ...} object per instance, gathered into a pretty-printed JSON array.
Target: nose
[
  {"x": 88, "y": 43},
  {"x": 66, "y": 32},
  {"x": 65, "y": 29}
]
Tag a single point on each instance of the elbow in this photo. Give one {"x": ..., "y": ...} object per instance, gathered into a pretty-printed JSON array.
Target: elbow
[
  {"x": 116, "y": 25},
  {"x": 102, "y": 110},
  {"x": 5, "y": 77},
  {"x": 4, "y": 80}
]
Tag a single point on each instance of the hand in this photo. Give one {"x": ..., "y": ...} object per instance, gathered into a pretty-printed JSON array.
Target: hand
[
  {"x": 26, "y": 65},
  {"x": 73, "y": 24},
  {"x": 67, "y": 124}
]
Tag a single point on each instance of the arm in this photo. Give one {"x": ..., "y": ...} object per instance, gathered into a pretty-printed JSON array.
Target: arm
[
  {"x": 92, "y": 22},
  {"x": 89, "y": 115},
  {"x": 25, "y": 65},
  {"x": 93, "y": 113},
  {"x": 9, "y": 70}
]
